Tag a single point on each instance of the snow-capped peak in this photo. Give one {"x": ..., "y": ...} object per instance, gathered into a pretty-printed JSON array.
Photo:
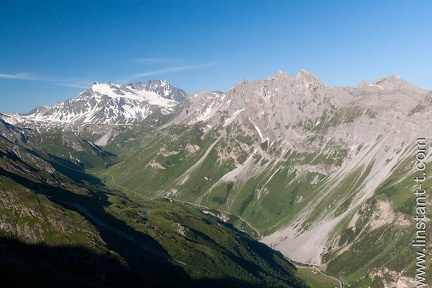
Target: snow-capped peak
[{"x": 107, "y": 103}]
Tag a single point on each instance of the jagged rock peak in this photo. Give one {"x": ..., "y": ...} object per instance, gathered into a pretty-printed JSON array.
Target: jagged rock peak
[
  {"x": 304, "y": 74},
  {"x": 38, "y": 109},
  {"x": 392, "y": 81},
  {"x": 388, "y": 83},
  {"x": 242, "y": 82},
  {"x": 281, "y": 75},
  {"x": 149, "y": 85},
  {"x": 362, "y": 83},
  {"x": 308, "y": 79},
  {"x": 160, "y": 87}
]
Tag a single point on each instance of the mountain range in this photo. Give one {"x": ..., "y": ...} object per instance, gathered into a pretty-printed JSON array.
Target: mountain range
[{"x": 323, "y": 175}]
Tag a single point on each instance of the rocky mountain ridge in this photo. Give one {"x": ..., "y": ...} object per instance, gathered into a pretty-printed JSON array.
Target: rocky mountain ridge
[
  {"x": 60, "y": 226},
  {"x": 305, "y": 168},
  {"x": 373, "y": 125},
  {"x": 295, "y": 159},
  {"x": 109, "y": 104}
]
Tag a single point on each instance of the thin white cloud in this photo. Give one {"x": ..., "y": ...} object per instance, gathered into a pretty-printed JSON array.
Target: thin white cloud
[
  {"x": 19, "y": 76},
  {"x": 82, "y": 83},
  {"x": 169, "y": 70},
  {"x": 76, "y": 83},
  {"x": 162, "y": 60}
]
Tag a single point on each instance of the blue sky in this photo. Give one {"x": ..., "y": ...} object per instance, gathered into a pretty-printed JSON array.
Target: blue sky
[{"x": 52, "y": 50}]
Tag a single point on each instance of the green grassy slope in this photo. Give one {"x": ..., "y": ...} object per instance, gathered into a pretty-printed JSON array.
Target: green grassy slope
[
  {"x": 85, "y": 233},
  {"x": 215, "y": 171}
]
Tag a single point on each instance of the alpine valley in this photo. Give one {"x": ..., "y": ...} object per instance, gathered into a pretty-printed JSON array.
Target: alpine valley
[{"x": 144, "y": 185}]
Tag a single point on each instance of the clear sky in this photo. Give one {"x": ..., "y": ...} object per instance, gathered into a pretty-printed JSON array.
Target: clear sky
[{"x": 52, "y": 50}]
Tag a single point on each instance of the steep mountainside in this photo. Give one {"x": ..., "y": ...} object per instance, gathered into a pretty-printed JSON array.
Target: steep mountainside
[
  {"x": 324, "y": 175},
  {"x": 303, "y": 167},
  {"x": 60, "y": 226}
]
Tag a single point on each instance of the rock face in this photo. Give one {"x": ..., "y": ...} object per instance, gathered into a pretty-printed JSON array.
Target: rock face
[
  {"x": 11, "y": 133},
  {"x": 289, "y": 109},
  {"x": 317, "y": 173},
  {"x": 161, "y": 88},
  {"x": 304, "y": 165},
  {"x": 373, "y": 125}
]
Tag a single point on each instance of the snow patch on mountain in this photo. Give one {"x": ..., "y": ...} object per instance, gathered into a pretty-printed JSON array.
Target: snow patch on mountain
[{"x": 108, "y": 103}]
